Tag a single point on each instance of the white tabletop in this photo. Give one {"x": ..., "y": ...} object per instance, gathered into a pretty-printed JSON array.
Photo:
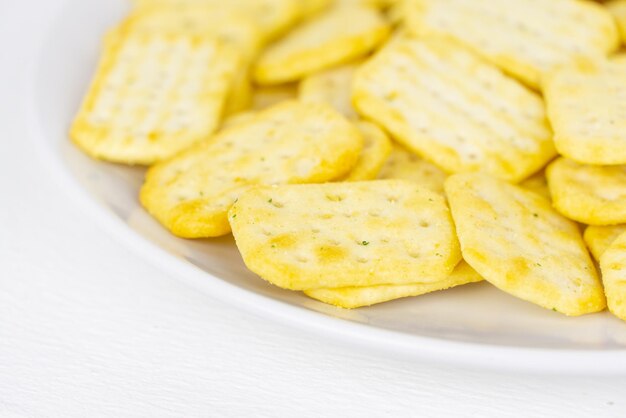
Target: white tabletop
[{"x": 89, "y": 329}]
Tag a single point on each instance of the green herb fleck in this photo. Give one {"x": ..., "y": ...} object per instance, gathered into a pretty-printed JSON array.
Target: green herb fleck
[
  {"x": 234, "y": 215},
  {"x": 273, "y": 245},
  {"x": 538, "y": 264},
  {"x": 364, "y": 243},
  {"x": 269, "y": 201},
  {"x": 554, "y": 309},
  {"x": 536, "y": 215}
]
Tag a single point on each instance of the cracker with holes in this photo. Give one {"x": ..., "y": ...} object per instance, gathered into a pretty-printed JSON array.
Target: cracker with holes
[
  {"x": 515, "y": 240},
  {"x": 594, "y": 195},
  {"x": 525, "y": 38},
  {"x": 304, "y": 237},
  {"x": 452, "y": 108},
  {"x": 290, "y": 143},
  {"x": 587, "y": 108},
  {"x": 405, "y": 165},
  {"x": 273, "y": 17},
  {"x": 332, "y": 38},
  {"x": 376, "y": 149},
  {"x": 613, "y": 265},
  {"x": 600, "y": 238},
  {"x": 154, "y": 95},
  {"x": 356, "y": 297},
  {"x": 333, "y": 86}
]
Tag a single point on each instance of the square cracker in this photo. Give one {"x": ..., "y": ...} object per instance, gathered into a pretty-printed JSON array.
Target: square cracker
[
  {"x": 526, "y": 38},
  {"x": 613, "y": 265},
  {"x": 587, "y": 109},
  {"x": 153, "y": 95},
  {"x": 333, "y": 235},
  {"x": 289, "y": 143},
  {"x": 320, "y": 43},
  {"x": 515, "y": 240},
  {"x": 454, "y": 109},
  {"x": 594, "y": 195},
  {"x": 356, "y": 297}
]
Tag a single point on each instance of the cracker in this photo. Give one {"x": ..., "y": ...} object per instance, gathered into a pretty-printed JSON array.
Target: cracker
[
  {"x": 594, "y": 195},
  {"x": 305, "y": 237},
  {"x": 515, "y": 240},
  {"x": 613, "y": 265},
  {"x": 587, "y": 109},
  {"x": 290, "y": 143},
  {"x": 405, "y": 165},
  {"x": 322, "y": 42},
  {"x": 448, "y": 105},
  {"x": 356, "y": 297},
  {"x": 618, "y": 10},
  {"x": 273, "y": 17},
  {"x": 153, "y": 95},
  {"x": 537, "y": 183},
  {"x": 525, "y": 38},
  {"x": 376, "y": 149},
  {"x": 333, "y": 86},
  {"x": 600, "y": 238}
]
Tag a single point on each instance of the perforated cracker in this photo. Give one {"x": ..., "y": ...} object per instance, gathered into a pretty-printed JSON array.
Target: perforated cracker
[
  {"x": 515, "y": 240},
  {"x": 600, "y": 238},
  {"x": 376, "y": 149},
  {"x": 587, "y": 108},
  {"x": 290, "y": 143},
  {"x": 454, "y": 109},
  {"x": 613, "y": 265},
  {"x": 405, "y": 165},
  {"x": 332, "y": 38},
  {"x": 345, "y": 234},
  {"x": 525, "y": 38},
  {"x": 594, "y": 195},
  {"x": 153, "y": 95},
  {"x": 333, "y": 86},
  {"x": 356, "y": 297}
]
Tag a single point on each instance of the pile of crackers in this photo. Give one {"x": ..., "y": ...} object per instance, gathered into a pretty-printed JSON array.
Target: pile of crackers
[{"x": 362, "y": 151}]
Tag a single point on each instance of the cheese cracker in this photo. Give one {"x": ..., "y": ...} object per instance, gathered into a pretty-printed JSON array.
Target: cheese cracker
[
  {"x": 304, "y": 237},
  {"x": 600, "y": 238},
  {"x": 405, "y": 165},
  {"x": 376, "y": 149},
  {"x": 515, "y": 240},
  {"x": 356, "y": 297},
  {"x": 594, "y": 195},
  {"x": 448, "y": 105},
  {"x": 153, "y": 95}
]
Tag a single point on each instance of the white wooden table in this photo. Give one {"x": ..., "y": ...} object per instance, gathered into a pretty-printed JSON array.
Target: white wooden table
[{"x": 89, "y": 330}]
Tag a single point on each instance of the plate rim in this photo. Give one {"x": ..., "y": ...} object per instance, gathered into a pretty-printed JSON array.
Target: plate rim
[{"x": 382, "y": 341}]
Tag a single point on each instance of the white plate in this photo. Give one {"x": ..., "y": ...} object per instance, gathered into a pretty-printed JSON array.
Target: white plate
[{"x": 475, "y": 325}]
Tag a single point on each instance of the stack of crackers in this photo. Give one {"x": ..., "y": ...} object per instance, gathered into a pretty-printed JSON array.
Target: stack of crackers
[{"x": 362, "y": 151}]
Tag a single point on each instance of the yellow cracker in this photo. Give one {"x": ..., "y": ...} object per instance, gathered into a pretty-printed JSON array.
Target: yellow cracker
[
  {"x": 334, "y": 37},
  {"x": 594, "y": 195},
  {"x": 525, "y": 38},
  {"x": 263, "y": 97},
  {"x": 600, "y": 238},
  {"x": 153, "y": 95},
  {"x": 587, "y": 108},
  {"x": 405, "y": 165},
  {"x": 537, "y": 183},
  {"x": 333, "y": 86},
  {"x": 613, "y": 265},
  {"x": 356, "y": 297},
  {"x": 454, "y": 109},
  {"x": 376, "y": 149},
  {"x": 273, "y": 17},
  {"x": 345, "y": 234},
  {"x": 290, "y": 143},
  {"x": 618, "y": 10},
  {"x": 515, "y": 240}
]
